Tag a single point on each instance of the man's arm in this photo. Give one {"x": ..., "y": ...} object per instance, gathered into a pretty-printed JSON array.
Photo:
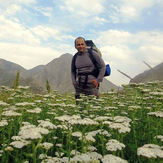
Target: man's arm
[{"x": 100, "y": 64}]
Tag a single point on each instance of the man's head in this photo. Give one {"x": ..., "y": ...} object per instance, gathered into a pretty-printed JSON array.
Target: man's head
[{"x": 80, "y": 44}]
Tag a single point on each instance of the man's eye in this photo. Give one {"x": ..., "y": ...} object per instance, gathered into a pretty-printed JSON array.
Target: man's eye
[{"x": 80, "y": 44}]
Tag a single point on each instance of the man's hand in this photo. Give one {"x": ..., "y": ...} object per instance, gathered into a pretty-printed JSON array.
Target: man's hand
[{"x": 95, "y": 82}]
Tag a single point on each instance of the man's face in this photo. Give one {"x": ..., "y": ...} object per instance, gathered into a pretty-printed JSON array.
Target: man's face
[{"x": 80, "y": 45}]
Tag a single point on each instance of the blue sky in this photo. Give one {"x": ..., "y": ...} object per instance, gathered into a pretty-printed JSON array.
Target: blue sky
[{"x": 128, "y": 32}]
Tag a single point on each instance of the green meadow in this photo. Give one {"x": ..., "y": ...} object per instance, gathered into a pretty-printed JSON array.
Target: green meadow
[{"x": 124, "y": 126}]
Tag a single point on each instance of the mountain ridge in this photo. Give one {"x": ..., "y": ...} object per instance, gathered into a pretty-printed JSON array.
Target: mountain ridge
[
  {"x": 57, "y": 72},
  {"x": 153, "y": 74}
]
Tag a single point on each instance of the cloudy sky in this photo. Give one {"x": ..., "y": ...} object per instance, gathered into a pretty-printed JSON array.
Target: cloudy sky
[{"x": 128, "y": 32}]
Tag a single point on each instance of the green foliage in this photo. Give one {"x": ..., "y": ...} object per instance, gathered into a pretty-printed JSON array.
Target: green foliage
[
  {"x": 48, "y": 86},
  {"x": 16, "y": 81}
]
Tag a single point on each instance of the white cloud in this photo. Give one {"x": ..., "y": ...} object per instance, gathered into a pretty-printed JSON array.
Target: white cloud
[
  {"x": 130, "y": 10},
  {"x": 7, "y": 3},
  {"x": 45, "y": 32},
  {"x": 27, "y": 2},
  {"x": 46, "y": 11},
  {"x": 84, "y": 8},
  {"x": 120, "y": 37},
  {"x": 27, "y": 56},
  {"x": 152, "y": 54},
  {"x": 16, "y": 10},
  {"x": 119, "y": 53},
  {"x": 99, "y": 20},
  {"x": 16, "y": 32},
  {"x": 77, "y": 15},
  {"x": 12, "y": 9},
  {"x": 150, "y": 38},
  {"x": 113, "y": 37}
]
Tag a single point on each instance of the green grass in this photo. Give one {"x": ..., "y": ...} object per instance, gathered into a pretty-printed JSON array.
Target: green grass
[{"x": 133, "y": 117}]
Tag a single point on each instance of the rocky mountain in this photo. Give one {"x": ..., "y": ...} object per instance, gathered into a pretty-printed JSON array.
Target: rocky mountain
[
  {"x": 8, "y": 71},
  {"x": 152, "y": 74},
  {"x": 57, "y": 72}
]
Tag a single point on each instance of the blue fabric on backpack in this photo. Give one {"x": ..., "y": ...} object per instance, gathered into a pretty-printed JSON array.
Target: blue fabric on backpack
[{"x": 108, "y": 70}]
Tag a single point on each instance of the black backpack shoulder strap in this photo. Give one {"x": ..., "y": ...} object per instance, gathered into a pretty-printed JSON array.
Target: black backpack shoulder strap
[
  {"x": 92, "y": 57},
  {"x": 75, "y": 57}
]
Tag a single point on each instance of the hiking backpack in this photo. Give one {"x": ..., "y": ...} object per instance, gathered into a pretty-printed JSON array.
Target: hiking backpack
[{"x": 91, "y": 46}]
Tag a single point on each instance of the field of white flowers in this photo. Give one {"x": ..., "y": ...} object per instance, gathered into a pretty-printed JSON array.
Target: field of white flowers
[{"x": 118, "y": 127}]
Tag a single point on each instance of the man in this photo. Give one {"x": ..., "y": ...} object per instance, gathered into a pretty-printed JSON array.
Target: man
[{"x": 82, "y": 68}]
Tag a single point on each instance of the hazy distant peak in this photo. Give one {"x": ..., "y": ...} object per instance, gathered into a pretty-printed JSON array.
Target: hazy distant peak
[{"x": 156, "y": 73}]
